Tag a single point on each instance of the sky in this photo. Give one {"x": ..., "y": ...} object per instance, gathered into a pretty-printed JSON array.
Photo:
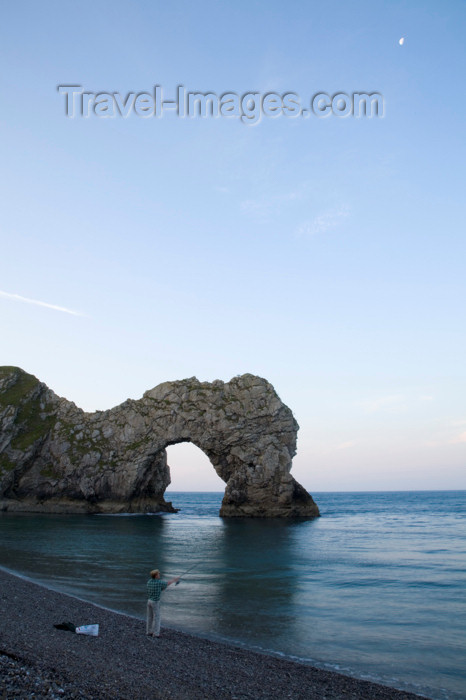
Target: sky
[{"x": 324, "y": 254}]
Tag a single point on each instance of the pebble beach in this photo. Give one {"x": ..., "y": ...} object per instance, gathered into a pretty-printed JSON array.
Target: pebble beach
[{"x": 37, "y": 660}]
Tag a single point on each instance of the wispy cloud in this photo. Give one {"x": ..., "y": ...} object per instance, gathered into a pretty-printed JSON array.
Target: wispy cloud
[
  {"x": 393, "y": 403},
  {"x": 451, "y": 433},
  {"x": 346, "y": 445},
  {"x": 323, "y": 222},
  {"x": 459, "y": 438},
  {"x": 268, "y": 206},
  {"x": 397, "y": 403},
  {"x": 25, "y": 300}
]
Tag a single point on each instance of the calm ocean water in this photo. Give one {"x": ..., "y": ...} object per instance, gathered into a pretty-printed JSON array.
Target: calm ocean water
[{"x": 375, "y": 588}]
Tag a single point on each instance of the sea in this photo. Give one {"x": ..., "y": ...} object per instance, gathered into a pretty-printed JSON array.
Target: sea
[{"x": 375, "y": 588}]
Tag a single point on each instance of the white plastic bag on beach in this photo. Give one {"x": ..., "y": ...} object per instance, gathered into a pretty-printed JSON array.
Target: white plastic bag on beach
[{"x": 91, "y": 630}]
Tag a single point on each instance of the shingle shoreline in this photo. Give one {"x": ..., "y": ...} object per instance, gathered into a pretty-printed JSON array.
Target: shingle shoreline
[{"x": 37, "y": 660}]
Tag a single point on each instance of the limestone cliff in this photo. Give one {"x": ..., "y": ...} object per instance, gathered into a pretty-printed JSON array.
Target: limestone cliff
[{"x": 54, "y": 457}]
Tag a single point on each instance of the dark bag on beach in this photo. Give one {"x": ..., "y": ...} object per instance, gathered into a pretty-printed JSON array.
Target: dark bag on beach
[{"x": 68, "y": 626}]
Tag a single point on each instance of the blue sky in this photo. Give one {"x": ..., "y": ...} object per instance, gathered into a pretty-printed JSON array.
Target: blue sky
[{"x": 326, "y": 255}]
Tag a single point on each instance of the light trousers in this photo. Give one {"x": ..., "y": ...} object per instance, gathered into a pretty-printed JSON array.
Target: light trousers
[{"x": 153, "y": 617}]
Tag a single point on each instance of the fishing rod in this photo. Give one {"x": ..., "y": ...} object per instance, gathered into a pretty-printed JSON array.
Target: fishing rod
[{"x": 185, "y": 572}]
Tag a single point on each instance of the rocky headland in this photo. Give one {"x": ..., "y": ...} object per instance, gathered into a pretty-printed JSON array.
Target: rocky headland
[{"x": 55, "y": 457}]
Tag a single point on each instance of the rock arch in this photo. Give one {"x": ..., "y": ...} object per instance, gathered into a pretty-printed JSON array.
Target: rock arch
[{"x": 56, "y": 457}]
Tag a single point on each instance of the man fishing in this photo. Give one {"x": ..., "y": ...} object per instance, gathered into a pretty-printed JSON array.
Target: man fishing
[{"x": 155, "y": 586}]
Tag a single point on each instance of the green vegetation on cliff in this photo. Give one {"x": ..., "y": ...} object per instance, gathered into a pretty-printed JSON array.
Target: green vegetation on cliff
[
  {"x": 23, "y": 385},
  {"x": 32, "y": 420}
]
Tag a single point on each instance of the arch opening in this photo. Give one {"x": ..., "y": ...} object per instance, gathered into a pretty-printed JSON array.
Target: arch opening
[{"x": 191, "y": 469}]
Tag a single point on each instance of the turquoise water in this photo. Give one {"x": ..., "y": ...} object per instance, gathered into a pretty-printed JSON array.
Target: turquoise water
[{"x": 376, "y": 587}]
